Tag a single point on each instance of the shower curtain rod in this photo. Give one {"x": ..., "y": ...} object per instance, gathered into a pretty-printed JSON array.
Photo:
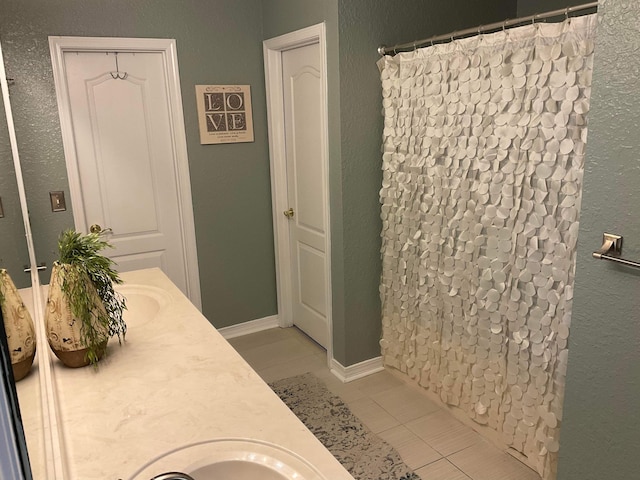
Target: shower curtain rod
[{"x": 407, "y": 47}]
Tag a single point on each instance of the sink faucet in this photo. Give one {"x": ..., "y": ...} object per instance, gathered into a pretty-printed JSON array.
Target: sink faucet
[{"x": 173, "y": 476}]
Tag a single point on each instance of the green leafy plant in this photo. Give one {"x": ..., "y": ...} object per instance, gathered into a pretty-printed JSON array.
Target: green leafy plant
[{"x": 86, "y": 267}]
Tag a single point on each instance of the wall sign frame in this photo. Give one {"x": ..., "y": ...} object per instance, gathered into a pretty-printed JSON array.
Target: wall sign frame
[{"x": 224, "y": 113}]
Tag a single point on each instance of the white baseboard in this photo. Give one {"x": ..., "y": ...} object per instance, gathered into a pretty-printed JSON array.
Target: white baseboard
[
  {"x": 251, "y": 326},
  {"x": 356, "y": 371}
]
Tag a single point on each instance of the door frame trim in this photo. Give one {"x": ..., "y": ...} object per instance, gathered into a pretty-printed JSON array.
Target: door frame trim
[
  {"x": 273, "y": 49},
  {"x": 58, "y": 45}
]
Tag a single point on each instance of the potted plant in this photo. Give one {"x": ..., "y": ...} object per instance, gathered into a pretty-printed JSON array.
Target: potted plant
[
  {"x": 83, "y": 309},
  {"x": 18, "y": 327}
]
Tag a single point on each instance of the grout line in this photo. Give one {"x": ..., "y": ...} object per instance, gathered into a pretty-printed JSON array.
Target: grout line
[
  {"x": 456, "y": 452},
  {"x": 315, "y": 351},
  {"x": 434, "y": 461}
]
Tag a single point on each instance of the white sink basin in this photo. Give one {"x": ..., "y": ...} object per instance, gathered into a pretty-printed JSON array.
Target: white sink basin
[
  {"x": 231, "y": 458},
  {"x": 143, "y": 303}
]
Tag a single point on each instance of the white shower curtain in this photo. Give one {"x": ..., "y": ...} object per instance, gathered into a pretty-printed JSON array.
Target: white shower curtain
[{"x": 483, "y": 155}]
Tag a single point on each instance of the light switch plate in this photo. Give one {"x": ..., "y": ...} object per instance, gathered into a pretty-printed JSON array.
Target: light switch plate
[{"x": 58, "y": 203}]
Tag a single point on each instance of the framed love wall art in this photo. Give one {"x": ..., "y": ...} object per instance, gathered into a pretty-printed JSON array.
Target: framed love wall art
[{"x": 224, "y": 113}]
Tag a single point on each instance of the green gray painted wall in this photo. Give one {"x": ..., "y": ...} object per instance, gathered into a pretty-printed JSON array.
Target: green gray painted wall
[
  {"x": 531, "y": 7},
  {"x": 601, "y": 426},
  {"x": 219, "y": 42},
  {"x": 284, "y": 16},
  {"x": 363, "y": 26},
  {"x": 13, "y": 244},
  {"x": 355, "y": 28}
]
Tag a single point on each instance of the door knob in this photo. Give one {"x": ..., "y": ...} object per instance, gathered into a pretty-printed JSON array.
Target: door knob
[
  {"x": 288, "y": 213},
  {"x": 95, "y": 228}
]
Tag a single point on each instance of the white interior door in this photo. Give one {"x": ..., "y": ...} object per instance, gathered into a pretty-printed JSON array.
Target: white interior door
[
  {"x": 303, "y": 104},
  {"x": 124, "y": 146}
]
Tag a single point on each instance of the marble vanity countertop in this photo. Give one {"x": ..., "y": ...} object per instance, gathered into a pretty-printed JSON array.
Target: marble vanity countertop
[
  {"x": 175, "y": 381},
  {"x": 30, "y": 398}
]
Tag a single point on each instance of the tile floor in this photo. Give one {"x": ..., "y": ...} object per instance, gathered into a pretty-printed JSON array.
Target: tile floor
[{"x": 429, "y": 439}]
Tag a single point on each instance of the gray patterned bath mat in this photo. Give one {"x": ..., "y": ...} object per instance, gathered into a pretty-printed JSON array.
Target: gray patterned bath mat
[{"x": 360, "y": 451}]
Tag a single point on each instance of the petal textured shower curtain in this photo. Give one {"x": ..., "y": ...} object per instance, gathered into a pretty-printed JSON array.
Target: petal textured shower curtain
[{"x": 483, "y": 154}]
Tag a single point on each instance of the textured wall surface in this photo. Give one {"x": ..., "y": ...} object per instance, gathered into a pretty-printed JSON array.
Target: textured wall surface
[
  {"x": 363, "y": 26},
  {"x": 218, "y": 43},
  {"x": 284, "y": 16},
  {"x": 531, "y": 7},
  {"x": 355, "y": 129},
  {"x": 601, "y": 429},
  {"x": 13, "y": 245}
]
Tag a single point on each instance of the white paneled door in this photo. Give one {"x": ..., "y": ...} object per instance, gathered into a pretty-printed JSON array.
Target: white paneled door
[
  {"x": 303, "y": 104},
  {"x": 124, "y": 142}
]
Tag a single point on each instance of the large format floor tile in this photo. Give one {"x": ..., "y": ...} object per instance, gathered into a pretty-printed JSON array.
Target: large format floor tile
[
  {"x": 443, "y": 432},
  {"x": 413, "y": 450},
  {"x": 405, "y": 403},
  {"x": 441, "y": 470},
  {"x": 429, "y": 439},
  {"x": 372, "y": 415},
  {"x": 483, "y": 461}
]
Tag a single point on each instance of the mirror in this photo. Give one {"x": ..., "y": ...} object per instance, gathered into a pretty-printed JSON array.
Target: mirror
[
  {"x": 15, "y": 457},
  {"x": 41, "y": 154},
  {"x": 14, "y": 256}
]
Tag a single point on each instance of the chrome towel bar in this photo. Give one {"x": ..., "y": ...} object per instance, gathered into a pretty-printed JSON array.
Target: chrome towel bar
[{"x": 611, "y": 250}]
